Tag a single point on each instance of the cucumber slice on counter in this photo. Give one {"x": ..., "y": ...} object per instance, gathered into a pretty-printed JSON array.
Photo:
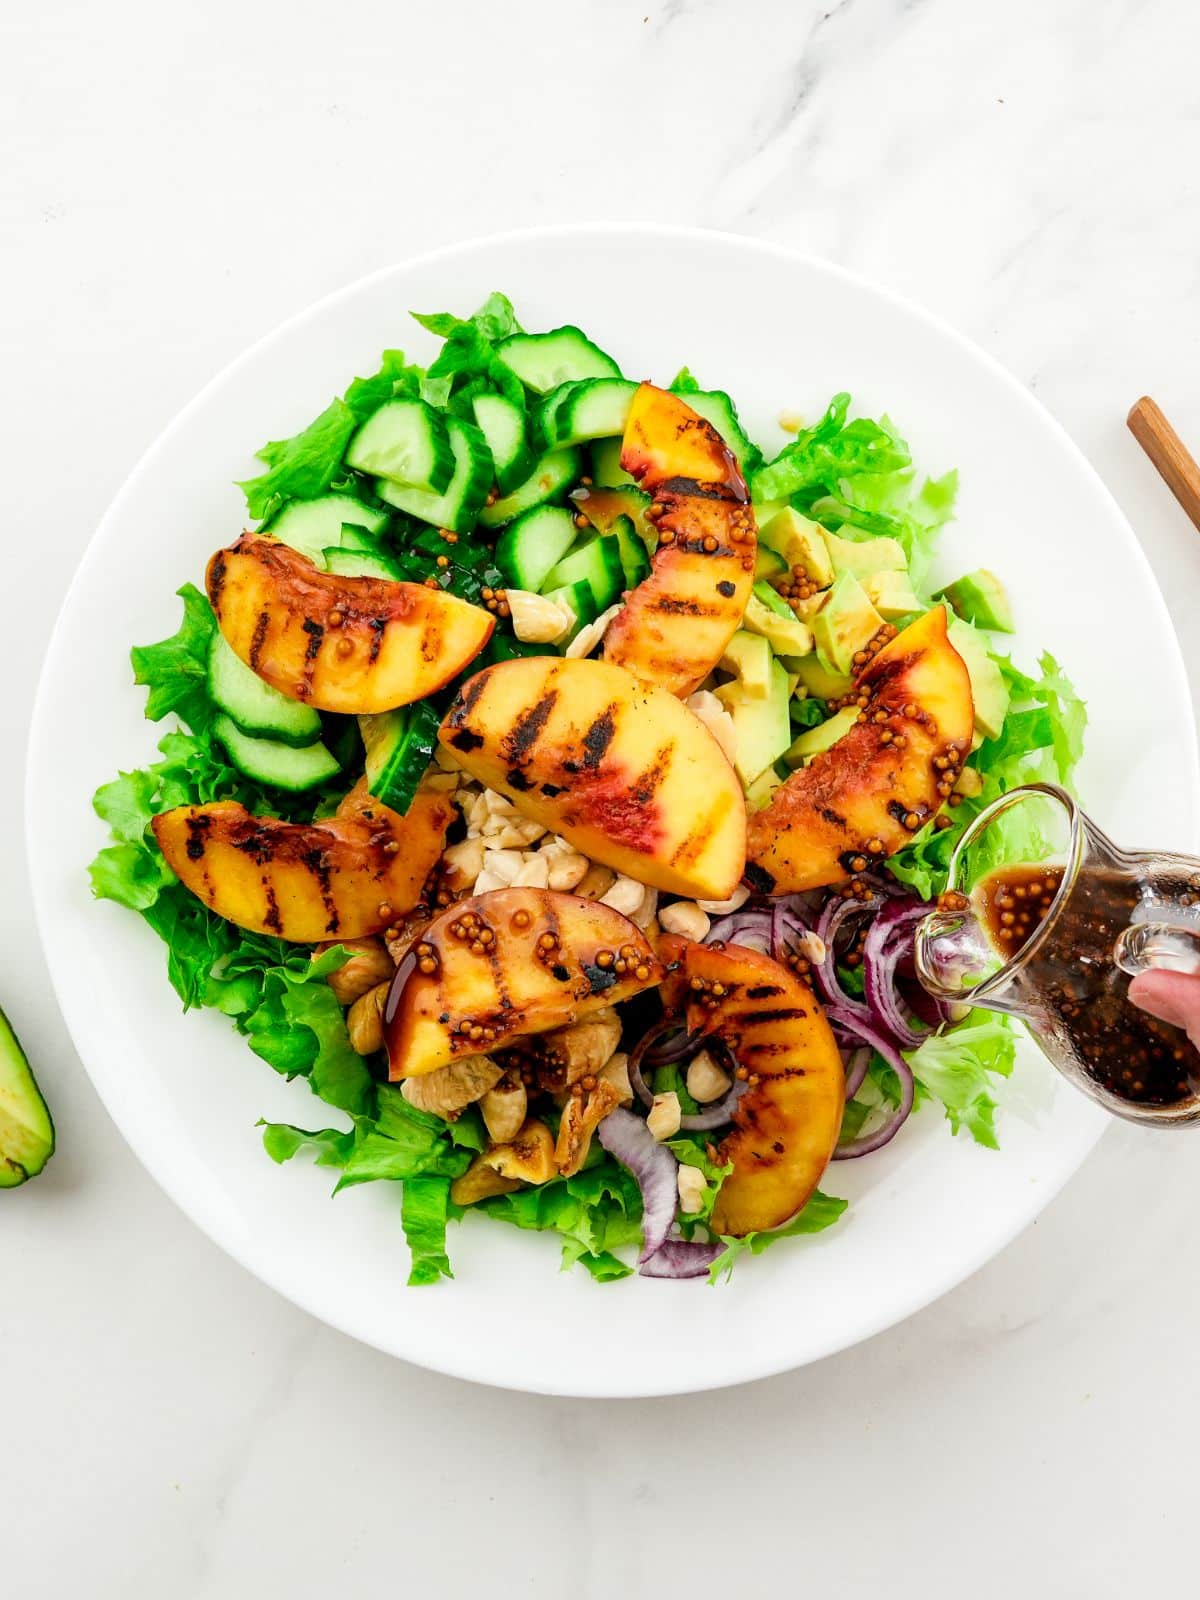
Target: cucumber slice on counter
[
  {"x": 255, "y": 706},
  {"x": 26, "y": 1129},
  {"x": 278, "y": 766}
]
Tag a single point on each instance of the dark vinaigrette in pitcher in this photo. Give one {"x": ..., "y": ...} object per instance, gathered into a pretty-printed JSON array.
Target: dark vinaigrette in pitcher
[{"x": 1084, "y": 995}]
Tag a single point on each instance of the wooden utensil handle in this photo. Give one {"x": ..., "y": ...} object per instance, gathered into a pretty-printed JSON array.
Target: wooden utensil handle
[{"x": 1170, "y": 455}]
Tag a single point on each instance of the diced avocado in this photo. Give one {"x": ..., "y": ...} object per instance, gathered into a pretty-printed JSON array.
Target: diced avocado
[
  {"x": 768, "y": 565},
  {"x": 758, "y": 794},
  {"x": 988, "y": 688},
  {"x": 799, "y": 543},
  {"x": 845, "y": 624},
  {"x": 980, "y": 597},
  {"x": 748, "y": 657},
  {"x": 862, "y": 557},
  {"x": 892, "y": 595},
  {"x": 812, "y": 741},
  {"x": 26, "y": 1131},
  {"x": 762, "y": 726},
  {"x": 816, "y": 677},
  {"x": 777, "y": 623}
]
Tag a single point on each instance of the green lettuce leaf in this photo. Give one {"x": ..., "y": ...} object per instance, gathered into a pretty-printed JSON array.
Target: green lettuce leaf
[
  {"x": 953, "y": 1068},
  {"x": 820, "y": 1212},
  {"x": 468, "y": 360},
  {"x": 424, "y": 1206},
  {"x": 176, "y": 669},
  {"x": 689, "y": 1151},
  {"x": 597, "y": 1211},
  {"x": 282, "y": 1141}
]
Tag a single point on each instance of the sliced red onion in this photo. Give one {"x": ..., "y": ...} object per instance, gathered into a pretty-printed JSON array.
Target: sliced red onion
[
  {"x": 640, "y": 1052},
  {"x": 627, "y": 1137},
  {"x": 837, "y": 912},
  {"x": 888, "y": 942},
  {"x": 680, "y": 1258},
  {"x": 856, "y": 1070},
  {"x": 717, "y": 1114},
  {"x": 892, "y": 1123},
  {"x": 662, "y": 1055},
  {"x": 749, "y": 928}
]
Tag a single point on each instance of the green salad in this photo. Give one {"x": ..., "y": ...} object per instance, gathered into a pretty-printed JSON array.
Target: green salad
[{"x": 547, "y": 775}]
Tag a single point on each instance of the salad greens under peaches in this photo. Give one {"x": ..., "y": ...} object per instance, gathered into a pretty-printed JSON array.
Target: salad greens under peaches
[{"x": 555, "y": 783}]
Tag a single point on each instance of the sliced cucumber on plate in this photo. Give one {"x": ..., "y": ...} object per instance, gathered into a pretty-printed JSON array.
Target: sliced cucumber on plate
[
  {"x": 597, "y": 564},
  {"x": 583, "y": 411},
  {"x": 405, "y": 441},
  {"x": 460, "y": 503},
  {"x": 278, "y": 766},
  {"x": 550, "y": 479},
  {"x": 356, "y": 563},
  {"x": 533, "y": 544},
  {"x": 310, "y": 526},
  {"x": 544, "y": 360},
  {"x": 253, "y": 705},
  {"x": 399, "y": 746},
  {"x": 502, "y": 423}
]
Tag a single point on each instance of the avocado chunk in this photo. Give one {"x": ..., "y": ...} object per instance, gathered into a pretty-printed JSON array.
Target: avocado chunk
[
  {"x": 762, "y": 726},
  {"x": 799, "y": 543},
  {"x": 812, "y": 741},
  {"x": 768, "y": 565},
  {"x": 865, "y": 556},
  {"x": 988, "y": 688},
  {"x": 769, "y": 615},
  {"x": 758, "y": 794},
  {"x": 980, "y": 597},
  {"x": 26, "y": 1131},
  {"x": 814, "y": 676},
  {"x": 748, "y": 657},
  {"x": 845, "y": 624},
  {"x": 892, "y": 595}
]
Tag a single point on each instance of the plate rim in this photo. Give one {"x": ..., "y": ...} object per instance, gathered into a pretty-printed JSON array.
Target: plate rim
[{"x": 899, "y": 1308}]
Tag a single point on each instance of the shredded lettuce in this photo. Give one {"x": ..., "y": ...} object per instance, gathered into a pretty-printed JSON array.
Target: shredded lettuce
[
  {"x": 597, "y": 1211},
  {"x": 953, "y": 1068},
  {"x": 820, "y": 1212}
]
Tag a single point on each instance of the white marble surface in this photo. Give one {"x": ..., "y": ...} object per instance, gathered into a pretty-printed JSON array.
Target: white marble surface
[{"x": 173, "y": 182}]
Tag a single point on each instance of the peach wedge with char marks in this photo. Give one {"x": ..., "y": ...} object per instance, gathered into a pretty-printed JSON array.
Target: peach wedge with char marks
[
  {"x": 352, "y": 874},
  {"x": 787, "y": 1123},
  {"x": 863, "y": 799},
  {"x": 676, "y": 624},
  {"x": 507, "y": 964},
  {"x": 356, "y": 645},
  {"x": 623, "y": 771}
]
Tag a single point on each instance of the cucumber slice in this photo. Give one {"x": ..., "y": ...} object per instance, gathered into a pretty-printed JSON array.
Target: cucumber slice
[
  {"x": 549, "y": 480},
  {"x": 598, "y": 564},
  {"x": 311, "y": 526},
  {"x": 592, "y": 410},
  {"x": 362, "y": 564},
  {"x": 399, "y": 746},
  {"x": 279, "y": 766},
  {"x": 541, "y": 422},
  {"x": 544, "y": 360},
  {"x": 26, "y": 1129},
  {"x": 582, "y": 602},
  {"x": 502, "y": 424},
  {"x": 535, "y": 542},
  {"x": 253, "y": 705},
  {"x": 715, "y": 406},
  {"x": 459, "y": 507},
  {"x": 405, "y": 441},
  {"x": 635, "y": 562},
  {"x": 605, "y": 455}
]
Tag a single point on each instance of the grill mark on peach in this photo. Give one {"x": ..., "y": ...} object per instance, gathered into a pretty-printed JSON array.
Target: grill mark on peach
[
  {"x": 599, "y": 736},
  {"x": 467, "y": 699},
  {"x": 216, "y": 580},
  {"x": 695, "y": 842},
  {"x": 258, "y": 639},
  {"x": 518, "y": 743}
]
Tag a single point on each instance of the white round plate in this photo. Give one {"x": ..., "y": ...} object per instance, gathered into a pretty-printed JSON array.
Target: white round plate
[{"x": 778, "y": 331}]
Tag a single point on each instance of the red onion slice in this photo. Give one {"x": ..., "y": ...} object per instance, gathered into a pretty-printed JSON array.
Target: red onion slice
[
  {"x": 640, "y": 1052},
  {"x": 891, "y": 1125},
  {"x": 888, "y": 942},
  {"x": 856, "y": 1070},
  {"x": 628, "y": 1139},
  {"x": 834, "y": 915},
  {"x": 715, "y": 1115},
  {"x": 681, "y": 1258},
  {"x": 749, "y": 928}
]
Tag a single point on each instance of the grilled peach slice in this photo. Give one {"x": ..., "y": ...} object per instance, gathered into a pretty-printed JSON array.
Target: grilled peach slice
[
  {"x": 341, "y": 644},
  {"x": 624, "y": 771},
  {"x": 676, "y": 624},
  {"x": 787, "y": 1123},
  {"x": 864, "y": 797},
  {"x": 356, "y": 872},
  {"x": 506, "y": 964}
]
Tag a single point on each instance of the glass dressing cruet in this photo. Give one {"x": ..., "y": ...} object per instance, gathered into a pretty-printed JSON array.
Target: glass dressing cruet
[{"x": 1055, "y": 941}]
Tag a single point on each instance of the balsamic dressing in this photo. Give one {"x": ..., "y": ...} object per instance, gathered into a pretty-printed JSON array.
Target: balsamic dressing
[{"x": 1082, "y": 993}]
